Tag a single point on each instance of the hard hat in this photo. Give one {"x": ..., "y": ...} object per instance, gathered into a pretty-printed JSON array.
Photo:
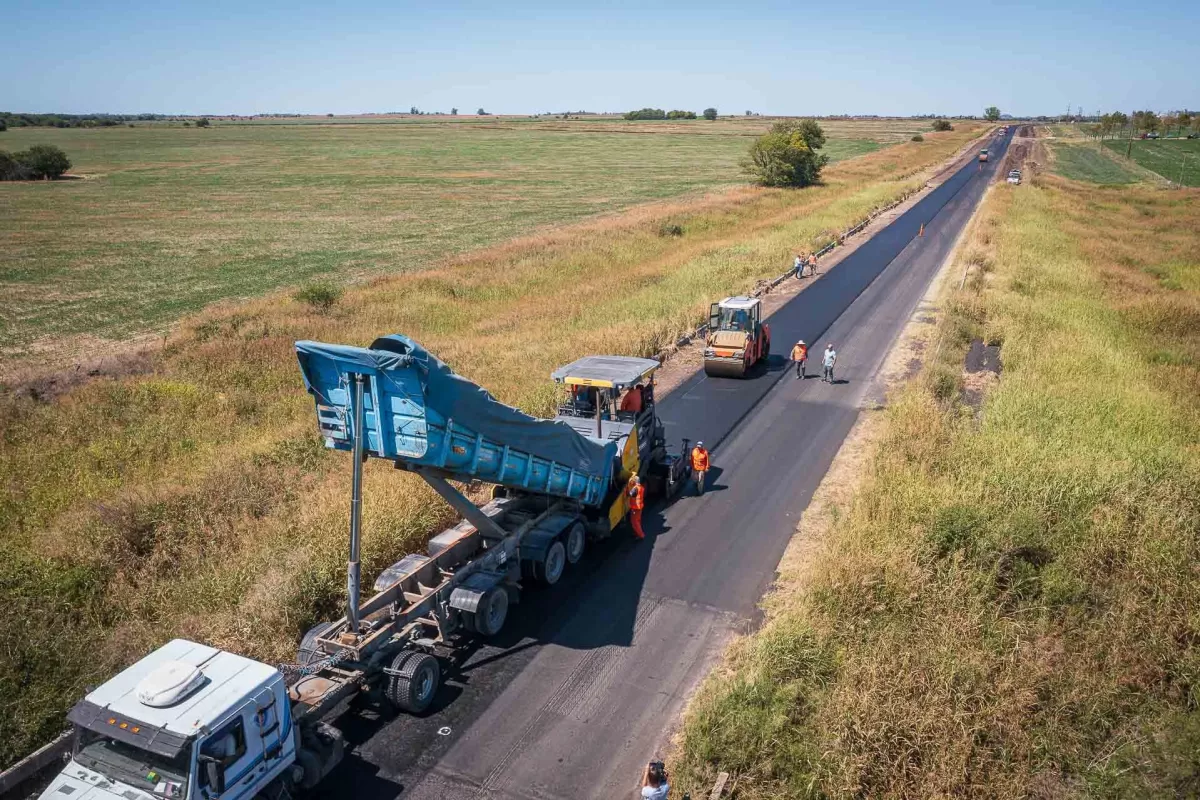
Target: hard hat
[
  {"x": 635, "y": 478},
  {"x": 699, "y": 444},
  {"x": 800, "y": 342}
]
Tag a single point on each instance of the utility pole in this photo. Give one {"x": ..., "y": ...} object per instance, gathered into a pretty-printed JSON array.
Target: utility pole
[{"x": 1129, "y": 148}]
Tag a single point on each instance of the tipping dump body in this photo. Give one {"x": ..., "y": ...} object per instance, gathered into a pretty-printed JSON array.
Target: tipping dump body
[{"x": 420, "y": 414}]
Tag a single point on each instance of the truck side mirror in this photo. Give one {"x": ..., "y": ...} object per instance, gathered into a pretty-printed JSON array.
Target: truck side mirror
[{"x": 214, "y": 774}]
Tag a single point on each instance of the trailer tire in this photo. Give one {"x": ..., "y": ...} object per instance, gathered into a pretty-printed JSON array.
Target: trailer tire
[
  {"x": 308, "y": 650},
  {"x": 310, "y": 768},
  {"x": 414, "y": 686},
  {"x": 575, "y": 542},
  {"x": 549, "y": 569},
  {"x": 488, "y": 618}
]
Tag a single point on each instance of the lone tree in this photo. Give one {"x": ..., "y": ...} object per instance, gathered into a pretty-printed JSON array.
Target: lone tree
[
  {"x": 942, "y": 125},
  {"x": 39, "y": 161},
  {"x": 481, "y": 113},
  {"x": 454, "y": 112},
  {"x": 991, "y": 114},
  {"x": 787, "y": 155},
  {"x": 710, "y": 114},
  {"x": 203, "y": 122}
]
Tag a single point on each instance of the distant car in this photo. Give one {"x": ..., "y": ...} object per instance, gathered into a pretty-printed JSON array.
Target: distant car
[
  {"x": 983, "y": 154},
  {"x": 1152, "y": 135},
  {"x": 1194, "y": 135},
  {"x": 1014, "y": 177}
]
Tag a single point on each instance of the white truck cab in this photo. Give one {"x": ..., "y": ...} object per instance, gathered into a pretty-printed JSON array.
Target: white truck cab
[{"x": 187, "y": 722}]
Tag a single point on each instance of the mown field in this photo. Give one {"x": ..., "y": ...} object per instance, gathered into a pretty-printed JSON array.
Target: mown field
[
  {"x": 1007, "y": 606},
  {"x": 194, "y": 498},
  {"x": 1177, "y": 160},
  {"x": 1086, "y": 162},
  {"x": 166, "y": 219}
]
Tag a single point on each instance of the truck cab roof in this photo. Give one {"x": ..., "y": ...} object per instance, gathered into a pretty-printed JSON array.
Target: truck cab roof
[{"x": 179, "y": 691}]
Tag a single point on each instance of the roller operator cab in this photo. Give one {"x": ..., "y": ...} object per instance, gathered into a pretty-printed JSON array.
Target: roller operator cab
[{"x": 737, "y": 337}]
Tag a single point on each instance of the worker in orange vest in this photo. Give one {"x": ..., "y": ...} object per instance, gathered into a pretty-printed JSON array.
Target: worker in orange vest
[
  {"x": 699, "y": 466},
  {"x": 636, "y": 495},
  {"x": 800, "y": 356}
]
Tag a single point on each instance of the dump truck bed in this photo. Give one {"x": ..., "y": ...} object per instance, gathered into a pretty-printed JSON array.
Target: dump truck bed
[{"x": 420, "y": 414}]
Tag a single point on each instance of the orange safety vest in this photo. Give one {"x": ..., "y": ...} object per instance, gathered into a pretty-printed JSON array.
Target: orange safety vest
[
  {"x": 637, "y": 497},
  {"x": 700, "y": 459},
  {"x": 800, "y": 352}
]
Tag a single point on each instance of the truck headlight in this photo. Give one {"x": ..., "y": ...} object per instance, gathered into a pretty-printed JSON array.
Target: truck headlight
[
  {"x": 739, "y": 354},
  {"x": 709, "y": 352}
]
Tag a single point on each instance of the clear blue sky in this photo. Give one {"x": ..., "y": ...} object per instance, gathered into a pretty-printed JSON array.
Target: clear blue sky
[{"x": 866, "y": 57}]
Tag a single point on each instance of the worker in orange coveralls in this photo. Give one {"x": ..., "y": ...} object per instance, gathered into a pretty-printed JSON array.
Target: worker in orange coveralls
[
  {"x": 636, "y": 494},
  {"x": 699, "y": 466}
]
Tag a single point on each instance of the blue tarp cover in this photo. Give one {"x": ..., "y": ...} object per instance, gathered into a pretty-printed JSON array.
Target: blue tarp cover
[{"x": 450, "y": 396}]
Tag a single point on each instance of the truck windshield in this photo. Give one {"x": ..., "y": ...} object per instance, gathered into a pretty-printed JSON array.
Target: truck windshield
[{"x": 117, "y": 761}]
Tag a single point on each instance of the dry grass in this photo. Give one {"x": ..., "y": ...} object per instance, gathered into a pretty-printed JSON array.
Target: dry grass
[
  {"x": 194, "y": 498},
  {"x": 1007, "y": 608}
]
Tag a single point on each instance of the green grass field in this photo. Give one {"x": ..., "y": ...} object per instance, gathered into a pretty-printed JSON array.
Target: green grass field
[
  {"x": 1177, "y": 160},
  {"x": 1084, "y": 162},
  {"x": 167, "y": 219}
]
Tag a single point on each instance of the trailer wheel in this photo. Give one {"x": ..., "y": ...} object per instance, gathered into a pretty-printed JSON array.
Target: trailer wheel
[
  {"x": 550, "y": 569},
  {"x": 415, "y": 681},
  {"x": 576, "y": 541},
  {"x": 310, "y": 768},
  {"x": 488, "y": 618},
  {"x": 308, "y": 650}
]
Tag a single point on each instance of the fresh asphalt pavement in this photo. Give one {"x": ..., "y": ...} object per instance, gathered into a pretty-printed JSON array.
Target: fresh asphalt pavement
[{"x": 579, "y": 690}]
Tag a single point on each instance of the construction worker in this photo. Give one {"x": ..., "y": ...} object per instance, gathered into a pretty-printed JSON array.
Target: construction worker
[
  {"x": 633, "y": 400},
  {"x": 635, "y": 493},
  {"x": 699, "y": 466},
  {"x": 800, "y": 356},
  {"x": 829, "y": 359},
  {"x": 812, "y": 264},
  {"x": 798, "y": 266}
]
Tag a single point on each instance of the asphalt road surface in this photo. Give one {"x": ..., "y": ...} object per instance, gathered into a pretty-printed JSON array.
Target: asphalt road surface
[{"x": 578, "y": 691}]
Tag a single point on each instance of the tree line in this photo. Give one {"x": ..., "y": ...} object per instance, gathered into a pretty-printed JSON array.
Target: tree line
[
  {"x": 658, "y": 113},
  {"x": 1118, "y": 123},
  {"x": 9, "y": 119}
]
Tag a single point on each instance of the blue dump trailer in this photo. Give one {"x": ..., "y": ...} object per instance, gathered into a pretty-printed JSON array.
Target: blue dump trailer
[{"x": 556, "y": 485}]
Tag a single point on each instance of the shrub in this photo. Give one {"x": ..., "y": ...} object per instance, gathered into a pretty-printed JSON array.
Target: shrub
[
  {"x": 670, "y": 229},
  {"x": 11, "y": 168},
  {"x": 203, "y": 122},
  {"x": 681, "y": 115},
  {"x": 787, "y": 155},
  {"x": 918, "y": 138},
  {"x": 321, "y": 295},
  {"x": 3, "y": 125},
  {"x": 942, "y": 125},
  {"x": 710, "y": 114}
]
